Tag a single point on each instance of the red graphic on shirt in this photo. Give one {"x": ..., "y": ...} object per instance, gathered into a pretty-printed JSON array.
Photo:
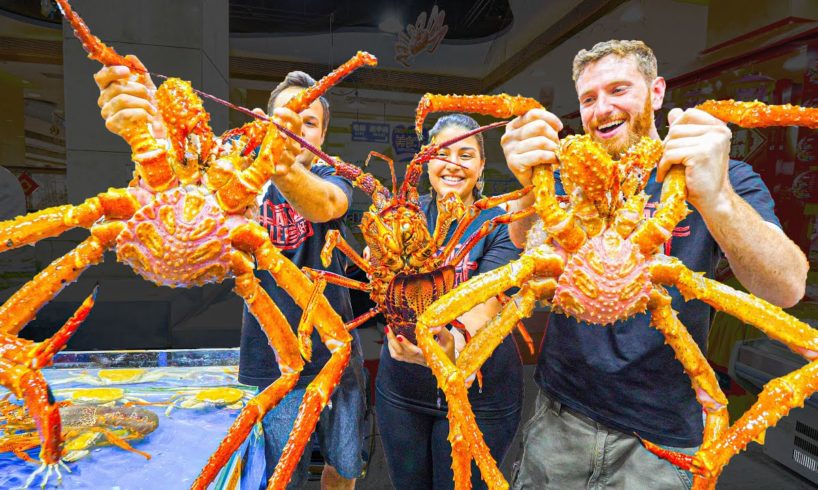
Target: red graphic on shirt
[
  {"x": 679, "y": 231},
  {"x": 463, "y": 270},
  {"x": 288, "y": 229}
]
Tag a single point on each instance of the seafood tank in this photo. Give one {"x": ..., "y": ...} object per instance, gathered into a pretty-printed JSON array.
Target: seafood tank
[{"x": 134, "y": 418}]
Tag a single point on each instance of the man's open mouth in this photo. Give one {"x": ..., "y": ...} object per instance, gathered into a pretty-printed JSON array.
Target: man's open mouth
[{"x": 610, "y": 126}]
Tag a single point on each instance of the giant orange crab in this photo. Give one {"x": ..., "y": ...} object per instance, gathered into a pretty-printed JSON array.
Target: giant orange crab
[
  {"x": 599, "y": 260},
  {"x": 184, "y": 222},
  {"x": 20, "y": 364}
]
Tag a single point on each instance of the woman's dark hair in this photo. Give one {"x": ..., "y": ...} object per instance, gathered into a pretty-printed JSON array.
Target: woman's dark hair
[{"x": 467, "y": 123}]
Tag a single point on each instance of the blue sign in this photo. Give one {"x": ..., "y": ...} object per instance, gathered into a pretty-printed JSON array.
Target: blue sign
[
  {"x": 372, "y": 132},
  {"x": 405, "y": 143}
]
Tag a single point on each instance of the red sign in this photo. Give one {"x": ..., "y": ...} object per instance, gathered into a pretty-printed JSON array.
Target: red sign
[{"x": 28, "y": 183}]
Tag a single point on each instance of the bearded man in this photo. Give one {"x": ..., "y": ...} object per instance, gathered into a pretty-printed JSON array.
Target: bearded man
[{"x": 600, "y": 386}]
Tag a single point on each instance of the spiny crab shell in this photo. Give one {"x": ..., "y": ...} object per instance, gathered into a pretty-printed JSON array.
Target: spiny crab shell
[
  {"x": 178, "y": 239},
  {"x": 606, "y": 280}
]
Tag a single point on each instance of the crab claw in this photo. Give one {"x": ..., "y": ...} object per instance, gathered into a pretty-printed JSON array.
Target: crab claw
[{"x": 681, "y": 460}]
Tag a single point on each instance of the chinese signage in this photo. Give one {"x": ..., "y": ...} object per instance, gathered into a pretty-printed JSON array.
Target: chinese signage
[{"x": 371, "y": 132}]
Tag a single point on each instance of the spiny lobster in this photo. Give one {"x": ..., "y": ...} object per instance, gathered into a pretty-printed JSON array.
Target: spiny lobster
[
  {"x": 408, "y": 266},
  {"x": 599, "y": 260}
]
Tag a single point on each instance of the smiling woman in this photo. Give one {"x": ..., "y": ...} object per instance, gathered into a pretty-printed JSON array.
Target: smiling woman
[{"x": 407, "y": 394}]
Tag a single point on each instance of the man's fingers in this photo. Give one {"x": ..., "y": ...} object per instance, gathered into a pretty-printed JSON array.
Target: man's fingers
[
  {"x": 124, "y": 119},
  {"x": 109, "y": 74},
  {"x": 126, "y": 102},
  {"x": 124, "y": 88},
  {"x": 673, "y": 115},
  {"x": 675, "y": 156},
  {"x": 696, "y": 130},
  {"x": 532, "y": 159},
  {"x": 536, "y": 143}
]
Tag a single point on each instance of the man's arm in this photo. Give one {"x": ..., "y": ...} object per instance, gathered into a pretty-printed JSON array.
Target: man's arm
[
  {"x": 529, "y": 140},
  {"x": 314, "y": 198},
  {"x": 762, "y": 257}
]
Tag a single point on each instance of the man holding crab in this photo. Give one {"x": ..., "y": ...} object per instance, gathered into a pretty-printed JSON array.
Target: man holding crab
[
  {"x": 302, "y": 201},
  {"x": 600, "y": 386}
]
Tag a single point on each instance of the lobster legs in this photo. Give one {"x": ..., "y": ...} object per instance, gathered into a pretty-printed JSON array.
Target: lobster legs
[{"x": 778, "y": 396}]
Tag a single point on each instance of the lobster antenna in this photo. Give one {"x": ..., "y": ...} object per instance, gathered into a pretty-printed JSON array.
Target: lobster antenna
[{"x": 391, "y": 164}]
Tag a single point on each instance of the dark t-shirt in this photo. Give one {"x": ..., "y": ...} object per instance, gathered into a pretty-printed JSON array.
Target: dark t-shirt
[
  {"x": 301, "y": 242},
  {"x": 415, "y": 387},
  {"x": 623, "y": 375}
]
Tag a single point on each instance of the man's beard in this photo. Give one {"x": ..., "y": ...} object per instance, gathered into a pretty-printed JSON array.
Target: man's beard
[{"x": 638, "y": 127}]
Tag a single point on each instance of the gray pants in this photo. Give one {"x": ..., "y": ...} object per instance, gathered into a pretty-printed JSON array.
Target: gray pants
[{"x": 565, "y": 450}]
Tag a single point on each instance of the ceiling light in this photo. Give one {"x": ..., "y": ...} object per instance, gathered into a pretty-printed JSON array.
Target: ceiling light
[{"x": 391, "y": 24}]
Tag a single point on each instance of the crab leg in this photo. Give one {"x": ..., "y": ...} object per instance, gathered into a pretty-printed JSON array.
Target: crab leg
[
  {"x": 305, "y": 326},
  {"x": 449, "y": 377},
  {"x": 252, "y": 237},
  {"x": 559, "y": 223},
  {"x": 779, "y": 395},
  {"x": 658, "y": 229},
  {"x": 19, "y": 373},
  {"x": 282, "y": 340},
  {"x": 759, "y": 115},
  {"x": 703, "y": 379},
  {"x": 460, "y": 415},
  {"x": 31, "y": 228},
  {"x": 151, "y": 157},
  {"x": 500, "y": 106},
  {"x": 529, "y": 342},
  {"x": 243, "y": 188},
  {"x": 480, "y": 347},
  {"x": 485, "y": 286},
  {"x": 43, "y": 353},
  {"x": 23, "y": 305}
]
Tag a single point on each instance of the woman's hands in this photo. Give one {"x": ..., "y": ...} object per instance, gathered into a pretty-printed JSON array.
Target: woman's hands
[{"x": 402, "y": 350}]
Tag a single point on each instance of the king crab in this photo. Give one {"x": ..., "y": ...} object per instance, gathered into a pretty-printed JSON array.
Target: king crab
[
  {"x": 184, "y": 221},
  {"x": 595, "y": 257}
]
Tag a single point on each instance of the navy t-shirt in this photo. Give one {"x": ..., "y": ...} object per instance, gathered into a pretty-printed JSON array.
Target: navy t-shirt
[
  {"x": 415, "y": 387},
  {"x": 301, "y": 242},
  {"x": 623, "y": 375}
]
